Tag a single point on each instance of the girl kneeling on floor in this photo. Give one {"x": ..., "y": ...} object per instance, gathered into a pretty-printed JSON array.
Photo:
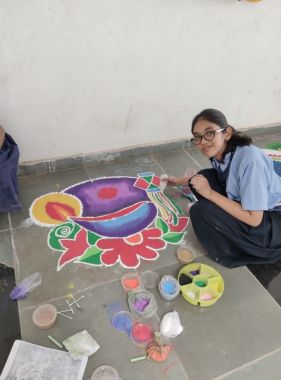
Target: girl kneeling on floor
[
  {"x": 236, "y": 218},
  {"x": 9, "y": 157}
]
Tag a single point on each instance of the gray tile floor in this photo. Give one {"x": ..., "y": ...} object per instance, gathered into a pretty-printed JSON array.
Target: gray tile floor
[{"x": 237, "y": 338}]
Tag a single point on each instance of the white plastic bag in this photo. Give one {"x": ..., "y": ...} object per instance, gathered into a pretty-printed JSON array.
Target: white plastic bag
[{"x": 170, "y": 325}]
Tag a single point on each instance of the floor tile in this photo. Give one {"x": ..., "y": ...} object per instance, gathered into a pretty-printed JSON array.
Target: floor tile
[
  {"x": 116, "y": 348},
  {"x": 6, "y": 250},
  {"x": 220, "y": 338},
  {"x": 198, "y": 157},
  {"x": 176, "y": 163},
  {"x": 4, "y": 221},
  {"x": 130, "y": 166},
  {"x": 262, "y": 141},
  {"x": 261, "y": 369},
  {"x": 9, "y": 318}
]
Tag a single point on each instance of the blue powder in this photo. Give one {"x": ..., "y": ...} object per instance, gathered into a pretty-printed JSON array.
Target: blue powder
[
  {"x": 169, "y": 287},
  {"x": 122, "y": 323}
]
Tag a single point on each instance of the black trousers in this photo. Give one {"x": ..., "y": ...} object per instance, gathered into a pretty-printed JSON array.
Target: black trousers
[{"x": 229, "y": 241}]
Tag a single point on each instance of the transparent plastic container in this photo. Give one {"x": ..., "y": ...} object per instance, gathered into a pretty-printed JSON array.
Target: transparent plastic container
[
  {"x": 123, "y": 321},
  {"x": 169, "y": 287},
  {"x": 141, "y": 334},
  {"x": 44, "y": 316},
  {"x": 149, "y": 279},
  {"x": 105, "y": 372},
  {"x": 131, "y": 281},
  {"x": 185, "y": 256}
]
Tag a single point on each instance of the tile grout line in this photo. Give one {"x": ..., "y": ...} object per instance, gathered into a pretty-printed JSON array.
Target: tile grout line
[
  {"x": 221, "y": 377},
  {"x": 193, "y": 159}
]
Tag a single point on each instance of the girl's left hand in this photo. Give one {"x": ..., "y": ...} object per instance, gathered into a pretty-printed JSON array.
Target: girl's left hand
[{"x": 201, "y": 185}]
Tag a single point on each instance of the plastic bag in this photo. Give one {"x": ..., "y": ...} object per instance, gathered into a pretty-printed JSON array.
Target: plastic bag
[
  {"x": 26, "y": 286},
  {"x": 170, "y": 326}
]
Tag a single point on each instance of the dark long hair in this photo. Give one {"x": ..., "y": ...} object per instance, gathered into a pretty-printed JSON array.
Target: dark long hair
[{"x": 218, "y": 118}]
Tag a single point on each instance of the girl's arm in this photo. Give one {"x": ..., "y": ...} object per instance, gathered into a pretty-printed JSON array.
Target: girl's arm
[
  {"x": 182, "y": 180},
  {"x": 2, "y": 136},
  {"x": 177, "y": 181},
  {"x": 201, "y": 185}
]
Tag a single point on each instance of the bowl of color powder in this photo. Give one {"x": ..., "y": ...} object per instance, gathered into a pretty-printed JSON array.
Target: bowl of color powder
[
  {"x": 130, "y": 281},
  {"x": 169, "y": 287},
  {"x": 123, "y": 321},
  {"x": 105, "y": 372},
  {"x": 141, "y": 334}
]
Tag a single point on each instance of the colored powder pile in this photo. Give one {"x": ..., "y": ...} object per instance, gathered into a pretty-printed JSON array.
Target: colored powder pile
[
  {"x": 194, "y": 272},
  {"x": 142, "y": 333},
  {"x": 169, "y": 287},
  {"x": 206, "y": 297},
  {"x": 200, "y": 283},
  {"x": 131, "y": 283},
  {"x": 141, "y": 303},
  {"x": 122, "y": 323},
  {"x": 184, "y": 279}
]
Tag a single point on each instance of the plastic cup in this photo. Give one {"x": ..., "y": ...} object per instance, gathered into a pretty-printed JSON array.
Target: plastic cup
[
  {"x": 185, "y": 256},
  {"x": 44, "y": 316},
  {"x": 130, "y": 281},
  {"x": 105, "y": 372},
  {"x": 169, "y": 287},
  {"x": 123, "y": 321},
  {"x": 141, "y": 334},
  {"x": 149, "y": 279}
]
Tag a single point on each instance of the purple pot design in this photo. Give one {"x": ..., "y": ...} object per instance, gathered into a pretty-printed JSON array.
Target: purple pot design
[{"x": 113, "y": 207}]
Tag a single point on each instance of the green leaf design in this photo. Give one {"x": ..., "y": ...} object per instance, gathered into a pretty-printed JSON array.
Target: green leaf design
[
  {"x": 162, "y": 225},
  {"x": 92, "y": 238},
  {"x": 62, "y": 231},
  {"x": 92, "y": 256},
  {"x": 173, "y": 237}
]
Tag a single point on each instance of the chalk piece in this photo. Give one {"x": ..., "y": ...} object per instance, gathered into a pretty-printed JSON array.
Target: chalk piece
[
  {"x": 55, "y": 341},
  {"x": 138, "y": 358},
  {"x": 63, "y": 315},
  {"x": 163, "y": 181}
]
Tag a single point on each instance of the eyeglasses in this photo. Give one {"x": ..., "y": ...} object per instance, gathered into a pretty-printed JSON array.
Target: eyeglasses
[{"x": 208, "y": 136}]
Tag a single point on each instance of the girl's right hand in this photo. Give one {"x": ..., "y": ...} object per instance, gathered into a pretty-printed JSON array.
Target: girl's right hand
[{"x": 177, "y": 181}]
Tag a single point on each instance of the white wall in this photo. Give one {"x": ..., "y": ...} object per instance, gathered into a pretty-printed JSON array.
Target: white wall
[{"x": 81, "y": 76}]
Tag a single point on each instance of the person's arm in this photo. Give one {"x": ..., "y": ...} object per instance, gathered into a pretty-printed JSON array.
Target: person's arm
[
  {"x": 201, "y": 185},
  {"x": 177, "y": 181},
  {"x": 2, "y": 136}
]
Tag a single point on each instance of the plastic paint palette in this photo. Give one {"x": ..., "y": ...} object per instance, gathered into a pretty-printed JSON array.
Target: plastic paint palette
[{"x": 200, "y": 284}]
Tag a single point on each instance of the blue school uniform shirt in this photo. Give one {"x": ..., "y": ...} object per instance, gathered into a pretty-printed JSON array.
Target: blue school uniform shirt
[{"x": 252, "y": 180}]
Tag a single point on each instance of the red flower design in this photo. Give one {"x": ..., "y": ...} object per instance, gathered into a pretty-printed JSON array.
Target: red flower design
[
  {"x": 128, "y": 250},
  {"x": 75, "y": 248},
  {"x": 181, "y": 226}
]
